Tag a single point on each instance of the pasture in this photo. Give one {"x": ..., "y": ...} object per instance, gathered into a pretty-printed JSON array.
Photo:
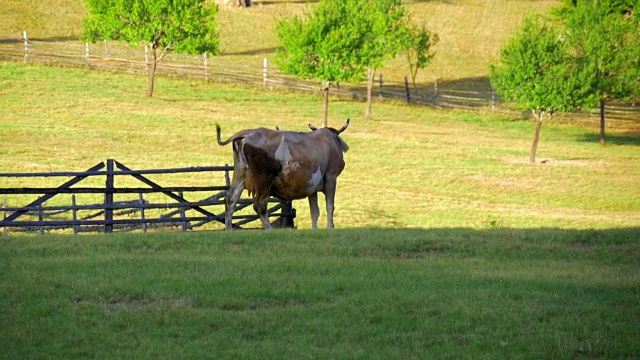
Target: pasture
[
  {"x": 449, "y": 244},
  {"x": 471, "y": 32},
  {"x": 407, "y": 167},
  {"x": 355, "y": 293}
]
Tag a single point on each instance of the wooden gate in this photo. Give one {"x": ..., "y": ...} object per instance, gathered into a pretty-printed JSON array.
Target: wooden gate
[{"x": 163, "y": 205}]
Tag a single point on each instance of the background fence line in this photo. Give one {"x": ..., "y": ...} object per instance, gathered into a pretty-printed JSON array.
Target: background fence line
[{"x": 101, "y": 56}]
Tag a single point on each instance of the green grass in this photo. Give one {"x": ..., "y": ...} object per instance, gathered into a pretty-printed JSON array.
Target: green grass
[
  {"x": 357, "y": 293},
  {"x": 450, "y": 245},
  {"x": 471, "y": 32},
  {"x": 407, "y": 167}
]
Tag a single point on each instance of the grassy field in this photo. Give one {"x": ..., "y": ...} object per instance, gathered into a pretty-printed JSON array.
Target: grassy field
[
  {"x": 345, "y": 294},
  {"x": 408, "y": 167},
  {"x": 471, "y": 32},
  {"x": 449, "y": 243}
]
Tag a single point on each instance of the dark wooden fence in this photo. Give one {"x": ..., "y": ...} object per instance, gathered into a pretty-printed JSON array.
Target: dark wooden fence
[{"x": 164, "y": 205}]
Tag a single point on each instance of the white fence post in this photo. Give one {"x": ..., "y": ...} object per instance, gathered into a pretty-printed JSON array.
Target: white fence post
[
  {"x": 264, "y": 73},
  {"x": 206, "y": 67},
  {"x": 493, "y": 99},
  {"x": 106, "y": 48},
  {"x": 26, "y": 46},
  {"x": 86, "y": 53},
  {"x": 435, "y": 93}
]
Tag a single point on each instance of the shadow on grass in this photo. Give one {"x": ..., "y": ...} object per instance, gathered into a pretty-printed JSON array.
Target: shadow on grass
[
  {"x": 270, "y": 50},
  {"x": 479, "y": 84},
  {"x": 19, "y": 40},
  {"x": 627, "y": 138}
]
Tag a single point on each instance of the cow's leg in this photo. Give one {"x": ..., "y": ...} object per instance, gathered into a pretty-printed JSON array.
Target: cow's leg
[
  {"x": 230, "y": 201},
  {"x": 315, "y": 211},
  {"x": 261, "y": 205},
  {"x": 330, "y": 194}
]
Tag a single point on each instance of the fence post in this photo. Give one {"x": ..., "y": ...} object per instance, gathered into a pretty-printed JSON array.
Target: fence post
[
  {"x": 142, "y": 216},
  {"x": 381, "y": 86},
  {"x": 406, "y": 88},
  {"x": 41, "y": 219},
  {"x": 288, "y": 215},
  {"x": 227, "y": 180},
  {"x": 108, "y": 198},
  {"x": 86, "y": 53},
  {"x": 26, "y": 46},
  {"x": 5, "y": 230},
  {"x": 106, "y": 48},
  {"x": 435, "y": 93},
  {"x": 493, "y": 99},
  {"x": 264, "y": 73},
  {"x": 74, "y": 214},
  {"x": 206, "y": 67},
  {"x": 182, "y": 215}
]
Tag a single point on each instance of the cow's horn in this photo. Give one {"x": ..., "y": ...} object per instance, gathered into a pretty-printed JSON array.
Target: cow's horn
[
  {"x": 312, "y": 127},
  {"x": 344, "y": 127}
]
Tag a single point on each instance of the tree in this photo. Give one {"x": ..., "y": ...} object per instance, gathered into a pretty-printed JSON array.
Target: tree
[
  {"x": 183, "y": 26},
  {"x": 417, "y": 48},
  {"x": 342, "y": 40},
  {"x": 604, "y": 40},
  {"x": 385, "y": 28},
  {"x": 535, "y": 73}
]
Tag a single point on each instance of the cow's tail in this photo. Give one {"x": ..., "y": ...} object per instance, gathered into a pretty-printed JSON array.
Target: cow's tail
[{"x": 232, "y": 138}]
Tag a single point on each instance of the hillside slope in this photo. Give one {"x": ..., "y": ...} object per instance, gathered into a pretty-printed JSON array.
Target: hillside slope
[{"x": 471, "y": 31}]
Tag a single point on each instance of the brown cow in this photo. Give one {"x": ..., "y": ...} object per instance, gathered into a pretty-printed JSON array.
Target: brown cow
[{"x": 288, "y": 165}]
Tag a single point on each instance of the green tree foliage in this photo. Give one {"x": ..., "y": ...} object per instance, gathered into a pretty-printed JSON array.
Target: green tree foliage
[
  {"x": 604, "y": 40},
  {"x": 182, "y": 26},
  {"x": 342, "y": 40},
  {"x": 611, "y": 6},
  {"x": 534, "y": 72},
  {"x": 418, "y": 45},
  {"x": 383, "y": 27}
]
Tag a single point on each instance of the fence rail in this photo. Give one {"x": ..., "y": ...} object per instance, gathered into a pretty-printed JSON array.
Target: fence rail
[
  {"x": 109, "y": 215},
  {"x": 101, "y": 56}
]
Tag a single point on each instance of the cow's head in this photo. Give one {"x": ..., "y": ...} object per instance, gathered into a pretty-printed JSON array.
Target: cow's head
[
  {"x": 343, "y": 145},
  {"x": 333, "y": 130}
]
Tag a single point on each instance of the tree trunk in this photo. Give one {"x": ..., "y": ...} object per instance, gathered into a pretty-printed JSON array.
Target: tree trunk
[
  {"x": 602, "y": 122},
  {"x": 244, "y": 3},
  {"x": 152, "y": 71},
  {"x": 371, "y": 73},
  {"x": 536, "y": 136},
  {"x": 325, "y": 102}
]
